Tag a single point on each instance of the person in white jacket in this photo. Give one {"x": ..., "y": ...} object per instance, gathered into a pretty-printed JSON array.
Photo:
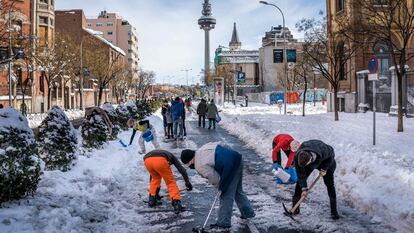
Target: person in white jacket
[{"x": 223, "y": 167}]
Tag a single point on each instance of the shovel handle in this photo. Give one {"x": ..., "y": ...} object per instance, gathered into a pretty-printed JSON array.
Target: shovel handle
[{"x": 303, "y": 197}]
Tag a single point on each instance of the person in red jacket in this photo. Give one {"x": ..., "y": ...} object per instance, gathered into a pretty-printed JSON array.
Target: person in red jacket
[{"x": 286, "y": 143}]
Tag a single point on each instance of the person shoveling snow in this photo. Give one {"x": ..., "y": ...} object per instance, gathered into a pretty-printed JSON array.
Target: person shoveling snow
[
  {"x": 289, "y": 146},
  {"x": 223, "y": 167},
  {"x": 315, "y": 154},
  {"x": 158, "y": 164},
  {"x": 148, "y": 134}
]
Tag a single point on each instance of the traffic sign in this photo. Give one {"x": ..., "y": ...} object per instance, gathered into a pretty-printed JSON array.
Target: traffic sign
[
  {"x": 373, "y": 65},
  {"x": 241, "y": 77},
  {"x": 372, "y": 77}
]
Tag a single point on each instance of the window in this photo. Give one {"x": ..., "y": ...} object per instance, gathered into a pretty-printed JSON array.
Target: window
[
  {"x": 110, "y": 24},
  {"x": 340, "y": 5},
  {"x": 89, "y": 25},
  {"x": 51, "y": 22},
  {"x": 43, "y": 20},
  {"x": 52, "y": 2},
  {"x": 99, "y": 24},
  {"x": 342, "y": 62},
  {"x": 110, "y": 33},
  {"x": 44, "y": 1}
]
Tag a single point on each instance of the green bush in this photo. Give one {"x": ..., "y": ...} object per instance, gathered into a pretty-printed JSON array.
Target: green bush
[
  {"x": 20, "y": 165},
  {"x": 57, "y": 140},
  {"x": 94, "y": 131}
]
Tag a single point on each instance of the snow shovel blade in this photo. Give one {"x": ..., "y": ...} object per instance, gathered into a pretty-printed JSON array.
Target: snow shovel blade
[
  {"x": 123, "y": 144},
  {"x": 288, "y": 213}
]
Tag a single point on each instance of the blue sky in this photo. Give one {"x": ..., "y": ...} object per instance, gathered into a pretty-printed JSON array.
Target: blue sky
[{"x": 170, "y": 39}]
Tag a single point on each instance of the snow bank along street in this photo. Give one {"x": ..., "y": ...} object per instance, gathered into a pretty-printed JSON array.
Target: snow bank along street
[{"x": 377, "y": 180}]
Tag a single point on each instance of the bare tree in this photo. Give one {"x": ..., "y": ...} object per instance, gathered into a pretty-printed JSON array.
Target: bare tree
[
  {"x": 145, "y": 80},
  {"x": 54, "y": 61},
  {"x": 104, "y": 63},
  {"x": 302, "y": 70},
  {"x": 390, "y": 22},
  {"x": 323, "y": 46}
]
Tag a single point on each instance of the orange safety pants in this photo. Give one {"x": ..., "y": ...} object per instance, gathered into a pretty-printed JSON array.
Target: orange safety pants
[{"x": 158, "y": 167}]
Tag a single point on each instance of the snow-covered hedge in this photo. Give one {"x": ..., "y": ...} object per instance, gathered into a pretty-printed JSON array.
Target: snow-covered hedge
[
  {"x": 113, "y": 117},
  {"x": 123, "y": 116},
  {"x": 94, "y": 131},
  {"x": 20, "y": 165},
  {"x": 57, "y": 140}
]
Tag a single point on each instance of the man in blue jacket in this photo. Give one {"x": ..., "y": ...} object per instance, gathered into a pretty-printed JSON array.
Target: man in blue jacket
[
  {"x": 177, "y": 111},
  {"x": 223, "y": 167}
]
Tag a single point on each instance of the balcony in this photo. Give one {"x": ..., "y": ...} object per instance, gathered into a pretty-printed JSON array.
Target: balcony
[{"x": 43, "y": 7}]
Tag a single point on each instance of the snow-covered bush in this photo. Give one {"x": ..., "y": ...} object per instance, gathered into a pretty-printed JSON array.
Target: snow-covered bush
[
  {"x": 94, "y": 131},
  {"x": 113, "y": 117},
  {"x": 132, "y": 109},
  {"x": 57, "y": 140},
  {"x": 20, "y": 165},
  {"x": 144, "y": 109},
  {"x": 123, "y": 116}
]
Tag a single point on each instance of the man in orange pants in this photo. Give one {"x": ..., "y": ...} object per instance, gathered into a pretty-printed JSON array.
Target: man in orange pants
[{"x": 158, "y": 164}]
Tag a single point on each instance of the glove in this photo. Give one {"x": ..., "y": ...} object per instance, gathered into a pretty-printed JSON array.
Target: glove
[
  {"x": 189, "y": 186},
  {"x": 276, "y": 166}
]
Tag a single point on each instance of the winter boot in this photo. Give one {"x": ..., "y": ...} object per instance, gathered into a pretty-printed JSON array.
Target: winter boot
[
  {"x": 294, "y": 201},
  {"x": 157, "y": 194},
  {"x": 178, "y": 208},
  {"x": 334, "y": 211},
  {"x": 152, "y": 201}
]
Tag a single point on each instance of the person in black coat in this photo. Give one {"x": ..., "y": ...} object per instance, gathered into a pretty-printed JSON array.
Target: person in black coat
[{"x": 315, "y": 154}]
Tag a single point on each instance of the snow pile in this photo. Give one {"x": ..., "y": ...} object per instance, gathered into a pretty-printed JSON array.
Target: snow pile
[
  {"x": 57, "y": 140},
  {"x": 36, "y": 119},
  {"x": 378, "y": 180},
  {"x": 20, "y": 166}
]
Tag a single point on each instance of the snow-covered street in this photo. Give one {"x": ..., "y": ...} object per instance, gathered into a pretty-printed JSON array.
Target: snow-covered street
[{"x": 105, "y": 192}]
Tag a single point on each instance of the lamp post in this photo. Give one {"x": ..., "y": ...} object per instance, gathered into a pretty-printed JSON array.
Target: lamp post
[
  {"x": 186, "y": 71},
  {"x": 284, "y": 49},
  {"x": 10, "y": 59}
]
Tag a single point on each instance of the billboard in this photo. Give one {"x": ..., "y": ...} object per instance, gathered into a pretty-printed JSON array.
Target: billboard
[
  {"x": 291, "y": 55},
  {"x": 277, "y": 55},
  {"x": 219, "y": 91}
]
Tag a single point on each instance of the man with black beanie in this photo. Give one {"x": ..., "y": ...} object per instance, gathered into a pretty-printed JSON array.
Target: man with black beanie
[
  {"x": 223, "y": 167},
  {"x": 315, "y": 154}
]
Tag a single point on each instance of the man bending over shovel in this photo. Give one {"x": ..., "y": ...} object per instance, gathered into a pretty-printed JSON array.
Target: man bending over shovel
[
  {"x": 314, "y": 154},
  {"x": 223, "y": 167}
]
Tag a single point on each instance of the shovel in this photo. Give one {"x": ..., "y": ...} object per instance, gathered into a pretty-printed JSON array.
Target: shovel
[
  {"x": 289, "y": 213},
  {"x": 202, "y": 230}
]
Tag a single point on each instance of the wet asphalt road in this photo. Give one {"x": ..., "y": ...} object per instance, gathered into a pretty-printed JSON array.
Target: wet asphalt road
[{"x": 260, "y": 188}]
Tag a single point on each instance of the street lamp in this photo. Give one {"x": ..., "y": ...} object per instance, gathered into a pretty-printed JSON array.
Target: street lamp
[
  {"x": 284, "y": 48},
  {"x": 186, "y": 71}
]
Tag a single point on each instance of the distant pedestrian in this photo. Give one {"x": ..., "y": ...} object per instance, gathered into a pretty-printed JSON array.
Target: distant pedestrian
[
  {"x": 212, "y": 114},
  {"x": 169, "y": 123},
  {"x": 223, "y": 167},
  {"x": 177, "y": 116},
  {"x": 202, "y": 111},
  {"x": 184, "y": 113},
  {"x": 158, "y": 164},
  {"x": 164, "y": 109},
  {"x": 314, "y": 154}
]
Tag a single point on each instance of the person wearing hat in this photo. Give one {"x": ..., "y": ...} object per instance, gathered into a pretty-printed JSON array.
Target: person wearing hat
[
  {"x": 158, "y": 164},
  {"x": 315, "y": 154},
  {"x": 142, "y": 126},
  {"x": 223, "y": 167}
]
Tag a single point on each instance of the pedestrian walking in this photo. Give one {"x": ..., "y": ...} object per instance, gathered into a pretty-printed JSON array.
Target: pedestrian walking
[
  {"x": 145, "y": 128},
  {"x": 164, "y": 109},
  {"x": 202, "y": 111},
  {"x": 158, "y": 164},
  {"x": 212, "y": 114},
  {"x": 169, "y": 123},
  {"x": 223, "y": 167},
  {"x": 315, "y": 154},
  {"x": 183, "y": 116},
  {"x": 177, "y": 116}
]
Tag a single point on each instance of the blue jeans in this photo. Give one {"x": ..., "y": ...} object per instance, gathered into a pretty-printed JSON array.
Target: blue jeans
[
  {"x": 234, "y": 193},
  {"x": 178, "y": 124}
]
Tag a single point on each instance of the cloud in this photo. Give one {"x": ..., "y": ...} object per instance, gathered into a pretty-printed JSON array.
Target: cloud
[{"x": 170, "y": 39}]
